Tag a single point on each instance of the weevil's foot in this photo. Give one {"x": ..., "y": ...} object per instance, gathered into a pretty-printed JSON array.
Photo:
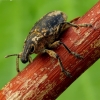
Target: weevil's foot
[
  {"x": 66, "y": 73},
  {"x": 90, "y": 25},
  {"x": 77, "y": 55},
  {"x": 87, "y": 25}
]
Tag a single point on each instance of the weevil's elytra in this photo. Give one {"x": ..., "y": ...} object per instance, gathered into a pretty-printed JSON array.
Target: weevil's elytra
[{"x": 45, "y": 35}]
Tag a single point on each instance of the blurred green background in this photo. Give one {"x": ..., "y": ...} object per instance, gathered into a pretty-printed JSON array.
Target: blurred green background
[{"x": 17, "y": 17}]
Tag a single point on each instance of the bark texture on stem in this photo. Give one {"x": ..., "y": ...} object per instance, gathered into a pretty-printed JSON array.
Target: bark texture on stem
[{"x": 43, "y": 79}]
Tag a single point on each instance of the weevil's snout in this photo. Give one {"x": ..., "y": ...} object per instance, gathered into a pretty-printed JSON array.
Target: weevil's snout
[
  {"x": 24, "y": 58},
  {"x": 26, "y": 53}
]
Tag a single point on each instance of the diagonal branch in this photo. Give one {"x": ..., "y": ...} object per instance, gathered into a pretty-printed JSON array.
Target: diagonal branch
[{"x": 43, "y": 79}]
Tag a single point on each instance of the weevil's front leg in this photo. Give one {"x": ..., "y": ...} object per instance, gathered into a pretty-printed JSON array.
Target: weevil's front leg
[
  {"x": 55, "y": 55},
  {"x": 30, "y": 59},
  {"x": 57, "y": 43}
]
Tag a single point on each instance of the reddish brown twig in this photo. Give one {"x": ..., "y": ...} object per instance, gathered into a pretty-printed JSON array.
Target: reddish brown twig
[{"x": 43, "y": 79}]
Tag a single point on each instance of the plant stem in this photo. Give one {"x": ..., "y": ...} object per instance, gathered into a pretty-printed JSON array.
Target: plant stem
[{"x": 42, "y": 79}]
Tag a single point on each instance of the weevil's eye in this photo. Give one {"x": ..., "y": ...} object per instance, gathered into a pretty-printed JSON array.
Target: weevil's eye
[{"x": 32, "y": 49}]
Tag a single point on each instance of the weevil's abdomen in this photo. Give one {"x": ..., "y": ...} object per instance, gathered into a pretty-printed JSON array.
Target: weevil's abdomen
[{"x": 49, "y": 22}]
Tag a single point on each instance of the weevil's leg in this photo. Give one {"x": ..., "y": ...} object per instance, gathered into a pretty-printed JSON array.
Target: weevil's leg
[
  {"x": 17, "y": 64},
  {"x": 57, "y": 43},
  {"x": 30, "y": 59},
  {"x": 65, "y": 25},
  {"x": 78, "y": 25},
  {"x": 55, "y": 55},
  {"x": 73, "y": 53},
  {"x": 54, "y": 44}
]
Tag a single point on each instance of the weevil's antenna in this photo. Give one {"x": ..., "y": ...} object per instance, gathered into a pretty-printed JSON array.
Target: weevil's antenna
[
  {"x": 17, "y": 60},
  {"x": 17, "y": 64},
  {"x": 11, "y": 55}
]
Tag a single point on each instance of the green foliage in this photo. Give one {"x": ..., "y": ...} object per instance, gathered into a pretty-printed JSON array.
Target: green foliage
[{"x": 17, "y": 17}]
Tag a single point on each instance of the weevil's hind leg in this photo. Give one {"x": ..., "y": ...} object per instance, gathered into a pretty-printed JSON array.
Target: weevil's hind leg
[
  {"x": 54, "y": 55},
  {"x": 78, "y": 25},
  {"x": 66, "y": 25}
]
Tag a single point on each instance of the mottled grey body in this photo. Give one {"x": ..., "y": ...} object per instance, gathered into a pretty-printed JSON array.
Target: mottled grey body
[
  {"x": 44, "y": 36},
  {"x": 46, "y": 31}
]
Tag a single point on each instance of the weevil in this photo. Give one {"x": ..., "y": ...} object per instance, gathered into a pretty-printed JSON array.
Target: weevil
[{"x": 44, "y": 36}]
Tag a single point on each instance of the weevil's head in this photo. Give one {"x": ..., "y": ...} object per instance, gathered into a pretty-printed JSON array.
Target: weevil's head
[
  {"x": 29, "y": 48},
  {"x": 27, "y": 51}
]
